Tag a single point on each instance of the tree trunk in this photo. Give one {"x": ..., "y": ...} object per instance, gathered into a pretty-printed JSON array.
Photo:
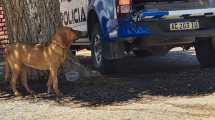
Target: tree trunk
[{"x": 32, "y": 21}]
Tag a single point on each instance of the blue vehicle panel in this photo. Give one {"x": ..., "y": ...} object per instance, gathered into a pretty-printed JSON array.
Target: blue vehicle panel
[
  {"x": 114, "y": 29},
  {"x": 148, "y": 27}
]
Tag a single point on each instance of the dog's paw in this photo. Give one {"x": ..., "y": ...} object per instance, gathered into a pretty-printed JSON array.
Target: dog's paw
[
  {"x": 59, "y": 97},
  {"x": 59, "y": 94},
  {"x": 50, "y": 91},
  {"x": 31, "y": 92},
  {"x": 17, "y": 94}
]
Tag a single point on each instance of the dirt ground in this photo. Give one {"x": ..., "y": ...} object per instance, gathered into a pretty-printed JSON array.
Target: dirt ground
[{"x": 172, "y": 87}]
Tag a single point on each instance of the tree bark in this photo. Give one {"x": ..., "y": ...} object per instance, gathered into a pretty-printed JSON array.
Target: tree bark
[{"x": 32, "y": 21}]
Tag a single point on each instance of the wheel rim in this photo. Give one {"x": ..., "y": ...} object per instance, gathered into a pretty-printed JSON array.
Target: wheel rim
[{"x": 97, "y": 50}]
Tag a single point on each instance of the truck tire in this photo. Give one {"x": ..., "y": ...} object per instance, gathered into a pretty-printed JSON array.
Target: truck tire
[
  {"x": 205, "y": 51},
  {"x": 103, "y": 65}
]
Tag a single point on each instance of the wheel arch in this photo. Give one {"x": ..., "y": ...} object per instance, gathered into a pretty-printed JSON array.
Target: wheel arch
[{"x": 112, "y": 50}]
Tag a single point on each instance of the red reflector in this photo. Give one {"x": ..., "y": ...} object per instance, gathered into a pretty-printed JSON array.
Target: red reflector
[
  {"x": 124, "y": 7},
  {"x": 124, "y": 2}
]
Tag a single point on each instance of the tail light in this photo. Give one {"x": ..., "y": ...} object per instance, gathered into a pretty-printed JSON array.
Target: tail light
[{"x": 123, "y": 7}]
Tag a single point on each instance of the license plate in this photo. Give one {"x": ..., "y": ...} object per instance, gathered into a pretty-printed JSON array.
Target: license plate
[{"x": 184, "y": 26}]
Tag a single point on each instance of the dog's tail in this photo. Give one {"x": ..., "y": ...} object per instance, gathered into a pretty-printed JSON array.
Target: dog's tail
[
  {"x": 6, "y": 71},
  {"x": 6, "y": 66}
]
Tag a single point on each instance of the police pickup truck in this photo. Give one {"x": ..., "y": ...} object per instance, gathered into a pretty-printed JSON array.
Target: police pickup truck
[{"x": 142, "y": 27}]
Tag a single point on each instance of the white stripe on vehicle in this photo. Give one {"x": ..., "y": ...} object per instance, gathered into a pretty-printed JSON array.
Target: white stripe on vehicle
[
  {"x": 180, "y": 14},
  {"x": 170, "y": 17},
  {"x": 197, "y": 14},
  {"x": 148, "y": 17},
  {"x": 191, "y": 12}
]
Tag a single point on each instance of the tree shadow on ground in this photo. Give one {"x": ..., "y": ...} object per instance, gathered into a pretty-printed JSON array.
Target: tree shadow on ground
[{"x": 169, "y": 76}]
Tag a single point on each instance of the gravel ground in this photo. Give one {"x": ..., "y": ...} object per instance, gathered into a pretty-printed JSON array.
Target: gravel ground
[{"x": 172, "y": 87}]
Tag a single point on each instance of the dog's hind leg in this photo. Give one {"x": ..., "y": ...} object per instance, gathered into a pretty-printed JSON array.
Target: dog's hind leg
[
  {"x": 50, "y": 85},
  {"x": 6, "y": 71},
  {"x": 25, "y": 82},
  {"x": 15, "y": 68}
]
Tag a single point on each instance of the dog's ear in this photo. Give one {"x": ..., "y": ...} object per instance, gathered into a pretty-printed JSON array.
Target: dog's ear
[
  {"x": 68, "y": 36},
  {"x": 60, "y": 36}
]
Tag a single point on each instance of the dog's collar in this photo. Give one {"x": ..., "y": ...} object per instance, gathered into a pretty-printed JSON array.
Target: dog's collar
[
  {"x": 61, "y": 46},
  {"x": 61, "y": 53}
]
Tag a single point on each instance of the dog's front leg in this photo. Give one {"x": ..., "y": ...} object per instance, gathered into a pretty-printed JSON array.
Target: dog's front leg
[
  {"x": 25, "y": 82},
  {"x": 50, "y": 85},
  {"x": 53, "y": 72}
]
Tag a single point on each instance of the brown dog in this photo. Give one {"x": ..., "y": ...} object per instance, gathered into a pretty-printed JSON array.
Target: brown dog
[{"x": 41, "y": 57}]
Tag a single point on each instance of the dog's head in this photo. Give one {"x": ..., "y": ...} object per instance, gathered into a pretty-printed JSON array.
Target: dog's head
[{"x": 66, "y": 36}]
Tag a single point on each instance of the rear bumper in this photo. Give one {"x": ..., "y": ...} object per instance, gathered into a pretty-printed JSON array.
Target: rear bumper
[
  {"x": 159, "y": 30},
  {"x": 156, "y": 24},
  {"x": 127, "y": 29}
]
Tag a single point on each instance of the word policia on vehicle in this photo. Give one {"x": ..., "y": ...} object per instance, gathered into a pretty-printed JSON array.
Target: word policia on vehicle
[{"x": 73, "y": 16}]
